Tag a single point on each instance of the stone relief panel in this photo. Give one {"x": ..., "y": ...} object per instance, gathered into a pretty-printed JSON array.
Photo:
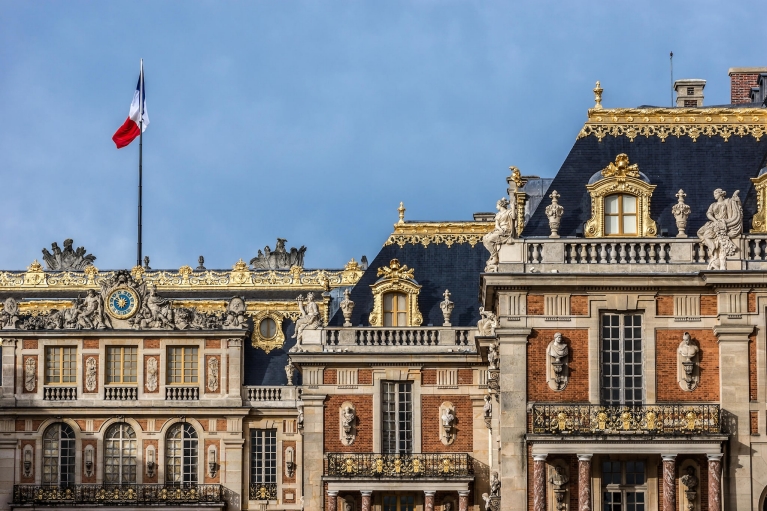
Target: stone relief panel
[
  {"x": 30, "y": 373},
  {"x": 152, "y": 374},
  {"x": 557, "y": 358},
  {"x": 348, "y": 422},
  {"x": 212, "y": 376},
  {"x": 447, "y": 421},
  {"x": 688, "y": 363},
  {"x": 90, "y": 374}
]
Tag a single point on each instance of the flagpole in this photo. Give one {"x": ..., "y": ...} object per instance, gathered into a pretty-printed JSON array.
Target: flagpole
[{"x": 140, "y": 157}]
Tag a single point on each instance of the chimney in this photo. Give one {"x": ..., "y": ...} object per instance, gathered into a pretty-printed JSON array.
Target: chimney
[
  {"x": 742, "y": 80},
  {"x": 689, "y": 92},
  {"x": 759, "y": 94}
]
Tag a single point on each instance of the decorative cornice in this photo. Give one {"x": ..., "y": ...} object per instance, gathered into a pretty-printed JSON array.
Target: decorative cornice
[
  {"x": 448, "y": 233},
  {"x": 239, "y": 278},
  {"x": 678, "y": 122}
]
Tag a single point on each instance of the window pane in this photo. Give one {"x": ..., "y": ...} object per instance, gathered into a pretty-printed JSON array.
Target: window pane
[
  {"x": 611, "y": 225},
  {"x": 402, "y": 319},
  {"x": 174, "y": 365},
  {"x": 388, "y": 319},
  {"x": 611, "y": 205},
  {"x": 388, "y": 301},
  {"x": 629, "y": 224},
  {"x": 263, "y": 456},
  {"x": 130, "y": 365},
  {"x": 401, "y": 302},
  {"x": 629, "y": 204}
]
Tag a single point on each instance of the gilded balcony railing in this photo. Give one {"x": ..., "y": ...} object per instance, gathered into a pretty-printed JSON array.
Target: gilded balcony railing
[
  {"x": 117, "y": 495},
  {"x": 263, "y": 491},
  {"x": 663, "y": 419},
  {"x": 400, "y": 466}
]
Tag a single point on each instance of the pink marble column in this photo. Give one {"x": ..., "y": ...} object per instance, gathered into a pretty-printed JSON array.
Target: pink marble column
[
  {"x": 714, "y": 482},
  {"x": 584, "y": 482},
  {"x": 332, "y": 500},
  {"x": 366, "y": 500},
  {"x": 463, "y": 500},
  {"x": 428, "y": 501},
  {"x": 669, "y": 482},
  {"x": 539, "y": 482}
]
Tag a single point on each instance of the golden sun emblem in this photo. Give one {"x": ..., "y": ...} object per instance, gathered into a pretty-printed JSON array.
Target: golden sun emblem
[{"x": 121, "y": 302}]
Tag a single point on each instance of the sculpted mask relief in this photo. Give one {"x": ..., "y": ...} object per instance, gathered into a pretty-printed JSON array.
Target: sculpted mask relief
[{"x": 725, "y": 223}]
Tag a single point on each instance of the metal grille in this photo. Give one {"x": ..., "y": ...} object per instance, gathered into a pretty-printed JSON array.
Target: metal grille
[
  {"x": 263, "y": 456},
  {"x": 181, "y": 455},
  {"x": 622, "y": 373},
  {"x": 120, "y": 449},
  {"x": 397, "y": 417},
  {"x": 59, "y": 455}
]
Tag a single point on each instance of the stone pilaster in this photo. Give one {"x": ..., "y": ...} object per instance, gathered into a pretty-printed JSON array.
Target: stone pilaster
[
  {"x": 669, "y": 482},
  {"x": 428, "y": 501},
  {"x": 314, "y": 419},
  {"x": 332, "y": 500},
  {"x": 539, "y": 482},
  {"x": 231, "y": 475},
  {"x": 8, "y": 395},
  {"x": 584, "y": 482},
  {"x": 735, "y": 399},
  {"x": 512, "y": 418},
  {"x": 235, "y": 368},
  {"x": 463, "y": 501},
  {"x": 714, "y": 482},
  {"x": 367, "y": 500}
]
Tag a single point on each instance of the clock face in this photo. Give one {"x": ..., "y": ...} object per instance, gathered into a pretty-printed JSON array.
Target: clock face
[{"x": 122, "y": 303}]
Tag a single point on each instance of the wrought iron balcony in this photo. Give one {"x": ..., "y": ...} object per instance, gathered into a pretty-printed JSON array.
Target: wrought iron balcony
[
  {"x": 117, "y": 495},
  {"x": 664, "y": 419},
  {"x": 400, "y": 466},
  {"x": 263, "y": 491}
]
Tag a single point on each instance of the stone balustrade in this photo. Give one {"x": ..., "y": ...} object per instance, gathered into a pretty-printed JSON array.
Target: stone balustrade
[
  {"x": 271, "y": 396},
  {"x": 439, "y": 338},
  {"x": 179, "y": 393},
  {"x": 55, "y": 393},
  {"x": 120, "y": 393}
]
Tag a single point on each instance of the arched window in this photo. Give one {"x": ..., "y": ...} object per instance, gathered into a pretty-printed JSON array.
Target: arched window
[
  {"x": 621, "y": 215},
  {"x": 120, "y": 455},
  {"x": 181, "y": 455},
  {"x": 395, "y": 309},
  {"x": 59, "y": 455}
]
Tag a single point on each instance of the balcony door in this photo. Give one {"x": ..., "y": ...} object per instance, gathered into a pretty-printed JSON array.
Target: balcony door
[
  {"x": 398, "y": 502},
  {"x": 397, "y": 408},
  {"x": 624, "y": 486},
  {"x": 622, "y": 371}
]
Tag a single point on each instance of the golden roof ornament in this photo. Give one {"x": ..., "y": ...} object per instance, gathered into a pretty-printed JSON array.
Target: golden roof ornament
[
  {"x": 396, "y": 271},
  {"x": 401, "y": 210},
  {"x": 621, "y": 168},
  {"x": 598, "y": 96},
  {"x": 516, "y": 176}
]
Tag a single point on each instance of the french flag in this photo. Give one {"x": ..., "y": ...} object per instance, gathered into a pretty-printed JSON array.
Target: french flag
[{"x": 138, "y": 115}]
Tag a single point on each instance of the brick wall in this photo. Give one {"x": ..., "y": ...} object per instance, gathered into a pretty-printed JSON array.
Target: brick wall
[
  {"x": 330, "y": 377},
  {"x": 431, "y": 424},
  {"x": 754, "y": 418},
  {"x": 365, "y": 376},
  {"x": 363, "y": 404},
  {"x": 752, "y": 376},
  {"x": 146, "y": 444},
  {"x": 204, "y": 458},
  {"x": 96, "y": 461},
  {"x": 751, "y": 302},
  {"x": 708, "y": 305},
  {"x": 666, "y": 345},
  {"x": 465, "y": 377},
  {"x": 535, "y": 305},
  {"x": 741, "y": 83},
  {"x": 213, "y": 344},
  {"x": 285, "y": 445},
  {"x": 664, "y": 306},
  {"x": 29, "y": 344},
  {"x": 429, "y": 377},
  {"x": 579, "y": 305},
  {"x": 91, "y": 344},
  {"x": 151, "y": 344},
  {"x": 578, "y": 385}
]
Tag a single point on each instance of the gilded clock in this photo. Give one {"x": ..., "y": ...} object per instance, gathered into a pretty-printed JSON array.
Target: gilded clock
[{"x": 122, "y": 303}]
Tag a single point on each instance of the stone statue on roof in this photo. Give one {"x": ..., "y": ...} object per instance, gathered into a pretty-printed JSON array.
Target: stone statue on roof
[
  {"x": 725, "y": 223},
  {"x": 279, "y": 258},
  {"x": 503, "y": 233},
  {"x": 67, "y": 259}
]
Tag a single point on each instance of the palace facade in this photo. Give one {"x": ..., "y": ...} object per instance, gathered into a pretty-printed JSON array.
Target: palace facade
[{"x": 597, "y": 342}]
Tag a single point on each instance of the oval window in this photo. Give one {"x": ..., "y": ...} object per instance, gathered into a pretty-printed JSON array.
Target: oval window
[{"x": 267, "y": 328}]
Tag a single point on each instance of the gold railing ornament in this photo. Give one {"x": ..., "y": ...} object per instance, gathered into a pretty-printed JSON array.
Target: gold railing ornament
[{"x": 399, "y": 466}]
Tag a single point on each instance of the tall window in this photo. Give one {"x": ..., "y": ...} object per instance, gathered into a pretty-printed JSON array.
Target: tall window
[
  {"x": 263, "y": 456},
  {"x": 182, "y": 365},
  {"x": 120, "y": 455},
  {"x": 181, "y": 455},
  {"x": 624, "y": 486},
  {"x": 621, "y": 215},
  {"x": 59, "y": 455},
  {"x": 122, "y": 364},
  {"x": 60, "y": 365},
  {"x": 395, "y": 309},
  {"x": 622, "y": 375},
  {"x": 398, "y": 503},
  {"x": 397, "y": 406}
]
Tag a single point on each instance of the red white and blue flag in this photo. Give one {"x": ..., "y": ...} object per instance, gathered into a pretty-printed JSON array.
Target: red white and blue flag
[{"x": 138, "y": 118}]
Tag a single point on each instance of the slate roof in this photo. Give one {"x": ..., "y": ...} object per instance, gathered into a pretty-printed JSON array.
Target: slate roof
[
  {"x": 698, "y": 167},
  {"x": 437, "y": 267}
]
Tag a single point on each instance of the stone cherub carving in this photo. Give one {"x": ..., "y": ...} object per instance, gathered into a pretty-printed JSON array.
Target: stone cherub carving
[
  {"x": 688, "y": 363},
  {"x": 488, "y": 502},
  {"x": 235, "y": 314},
  {"x": 554, "y": 212},
  {"x": 681, "y": 211},
  {"x": 447, "y": 307},
  {"x": 68, "y": 259},
  {"x": 280, "y": 258},
  {"x": 557, "y": 354},
  {"x": 310, "y": 316},
  {"x": 725, "y": 223},
  {"x": 503, "y": 233},
  {"x": 347, "y": 307},
  {"x": 487, "y": 323}
]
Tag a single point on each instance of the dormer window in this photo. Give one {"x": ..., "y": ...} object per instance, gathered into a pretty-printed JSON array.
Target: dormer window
[
  {"x": 395, "y": 309},
  {"x": 621, "y": 215}
]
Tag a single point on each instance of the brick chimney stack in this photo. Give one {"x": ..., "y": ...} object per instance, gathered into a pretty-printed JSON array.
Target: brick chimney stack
[
  {"x": 742, "y": 79},
  {"x": 689, "y": 92}
]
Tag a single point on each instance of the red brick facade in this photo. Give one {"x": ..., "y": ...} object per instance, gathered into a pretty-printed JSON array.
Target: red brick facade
[
  {"x": 535, "y": 305},
  {"x": 664, "y": 305},
  {"x": 431, "y": 424},
  {"x": 741, "y": 83},
  {"x": 577, "y": 389},
  {"x": 666, "y": 345},
  {"x": 579, "y": 305},
  {"x": 363, "y": 405},
  {"x": 708, "y": 305}
]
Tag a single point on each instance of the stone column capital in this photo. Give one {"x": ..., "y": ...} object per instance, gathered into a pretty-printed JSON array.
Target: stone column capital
[
  {"x": 333, "y": 493},
  {"x": 429, "y": 493},
  {"x": 668, "y": 457},
  {"x": 715, "y": 457},
  {"x": 540, "y": 457},
  {"x": 585, "y": 457},
  {"x": 462, "y": 493},
  {"x": 366, "y": 493}
]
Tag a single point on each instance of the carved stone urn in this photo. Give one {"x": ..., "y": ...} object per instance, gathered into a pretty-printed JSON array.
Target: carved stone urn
[{"x": 554, "y": 213}]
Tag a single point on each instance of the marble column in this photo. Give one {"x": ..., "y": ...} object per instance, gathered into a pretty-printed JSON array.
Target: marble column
[
  {"x": 463, "y": 500},
  {"x": 584, "y": 482},
  {"x": 539, "y": 482},
  {"x": 669, "y": 482},
  {"x": 428, "y": 501},
  {"x": 366, "y": 500},
  {"x": 332, "y": 500},
  {"x": 715, "y": 482}
]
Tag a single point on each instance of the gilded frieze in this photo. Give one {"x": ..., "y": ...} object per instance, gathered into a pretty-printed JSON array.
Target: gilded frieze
[
  {"x": 678, "y": 122},
  {"x": 447, "y": 233}
]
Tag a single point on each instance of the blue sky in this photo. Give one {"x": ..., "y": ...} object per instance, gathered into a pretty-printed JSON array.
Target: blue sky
[{"x": 312, "y": 120}]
